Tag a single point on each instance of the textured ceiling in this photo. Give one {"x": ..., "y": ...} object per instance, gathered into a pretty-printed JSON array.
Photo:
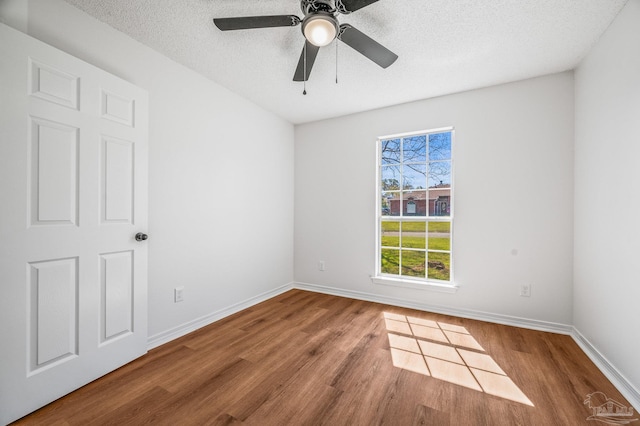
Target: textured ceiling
[{"x": 444, "y": 46}]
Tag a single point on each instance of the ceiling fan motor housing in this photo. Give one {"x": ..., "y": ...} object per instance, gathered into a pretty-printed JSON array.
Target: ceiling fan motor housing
[{"x": 314, "y": 6}]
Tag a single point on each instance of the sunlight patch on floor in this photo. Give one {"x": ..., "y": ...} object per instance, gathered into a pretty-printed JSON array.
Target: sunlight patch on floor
[{"x": 450, "y": 353}]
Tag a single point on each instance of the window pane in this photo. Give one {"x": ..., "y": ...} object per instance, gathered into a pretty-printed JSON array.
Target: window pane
[
  {"x": 413, "y": 234},
  {"x": 390, "y": 151},
  {"x": 390, "y": 261},
  {"x": 440, "y": 188},
  {"x": 385, "y": 205},
  {"x": 414, "y": 176},
  {"x": 440, "y": 146},
  {"x": 439, "y": 236},
  {"x": 390, "y": 234},
  {"x": 413, "y": 263},
  {"x": 414, "y": 203},
  {"x": 415, "y": 149},
  {"x": 439, "y": 264},
  {"x": 439, "y": 202},
  {"x": 390, "y": 178},
  {"x": 390, "y": 203},
  {"x": 439, "y": 173}
]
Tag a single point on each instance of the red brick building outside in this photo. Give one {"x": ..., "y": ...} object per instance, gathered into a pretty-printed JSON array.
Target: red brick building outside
[{"x": 416, "y": 202}]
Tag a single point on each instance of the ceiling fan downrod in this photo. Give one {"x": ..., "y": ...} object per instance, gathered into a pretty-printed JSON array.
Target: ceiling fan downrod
[{"x": 314, "y": 6}]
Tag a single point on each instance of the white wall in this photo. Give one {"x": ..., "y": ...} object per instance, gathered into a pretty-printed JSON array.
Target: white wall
[
  {"x": 221, "y": 190},
  {"x": 220, "y": 171},
  {"x": 513, "y": 159},
  {"x": 607, "y": 195}
]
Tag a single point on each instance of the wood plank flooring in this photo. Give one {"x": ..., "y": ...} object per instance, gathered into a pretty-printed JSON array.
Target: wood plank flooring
[{"x": 304, "y": 358}]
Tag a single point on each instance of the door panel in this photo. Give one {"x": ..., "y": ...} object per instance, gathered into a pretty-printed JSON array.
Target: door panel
[
  {"x": 73, "y": 182},
  {"x": 118, "y": 108},
  {"x": 117, "y": 180},
  {"x": 54, "y": 176},
  {"x": 53, "y": 313},
  {"x": 116, "y": 276},
  {"x": 53, "y": 85}
]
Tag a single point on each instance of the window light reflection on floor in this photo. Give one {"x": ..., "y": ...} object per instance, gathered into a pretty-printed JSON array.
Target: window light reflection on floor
[{"x": 450, "y": 353}]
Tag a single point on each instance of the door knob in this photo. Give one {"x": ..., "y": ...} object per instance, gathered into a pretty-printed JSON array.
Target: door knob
[{"x": 141, "y": 237}]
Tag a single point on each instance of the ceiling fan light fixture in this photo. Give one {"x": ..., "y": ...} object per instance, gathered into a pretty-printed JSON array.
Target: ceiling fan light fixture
[{"x": 320, "y": 29}]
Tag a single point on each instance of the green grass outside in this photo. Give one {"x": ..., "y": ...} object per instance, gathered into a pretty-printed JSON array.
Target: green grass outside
[
  {"x": 390, "y": 261},
  {"x": 439, "y": 266},
  {"x": 439, "y": 244},
  {"x": 416, "y": 242},
  {"x": 413, "y": 264},
  {"x": 413, "y": 241},
  {"x": 439, "y": 226},
  {"x": 390, "y": 241},
  {"x": 392, "y": 226}
]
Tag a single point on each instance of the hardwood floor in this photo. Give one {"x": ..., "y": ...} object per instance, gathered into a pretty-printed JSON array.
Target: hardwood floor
[{"x": 305, "y": 358}]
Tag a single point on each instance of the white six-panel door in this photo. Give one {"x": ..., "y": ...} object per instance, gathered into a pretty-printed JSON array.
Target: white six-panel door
[{"x": 73, "y": 179}]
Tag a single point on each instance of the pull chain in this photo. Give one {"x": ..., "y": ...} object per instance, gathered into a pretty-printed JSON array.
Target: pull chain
[
  {"x": 304, "y": 78},
  {"x": 336, "y": 60}
]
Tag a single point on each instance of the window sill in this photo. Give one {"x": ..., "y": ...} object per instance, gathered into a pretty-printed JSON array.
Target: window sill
[{"x": 420, "y": 285}]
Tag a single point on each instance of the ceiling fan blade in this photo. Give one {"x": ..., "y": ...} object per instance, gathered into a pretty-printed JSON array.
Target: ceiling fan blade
[
  {"x": 367, "y": 46},
  {"x": 353, "y": 5},
  {"x": 312, "y": 52},
  {"x": 248, "y": 22}
]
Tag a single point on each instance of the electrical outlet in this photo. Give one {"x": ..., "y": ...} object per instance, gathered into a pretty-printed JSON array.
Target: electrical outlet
[
  {"x": 177, "y": 294},
  {"x": 525, "y": 290},
  {"x": 321, "y": 265}
]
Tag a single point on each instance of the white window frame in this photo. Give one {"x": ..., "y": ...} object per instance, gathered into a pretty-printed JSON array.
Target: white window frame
[{"x": 399, "y": 280}]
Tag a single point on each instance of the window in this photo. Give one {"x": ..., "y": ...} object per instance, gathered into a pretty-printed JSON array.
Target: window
[{"x": 415, "y": 213}]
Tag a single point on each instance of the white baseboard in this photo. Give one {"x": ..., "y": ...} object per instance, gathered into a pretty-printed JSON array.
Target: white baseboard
[
  {"x": 621, "y": 383},
  {"x": 186, "y": 328},
  {"x": 438, "y": 309}
]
